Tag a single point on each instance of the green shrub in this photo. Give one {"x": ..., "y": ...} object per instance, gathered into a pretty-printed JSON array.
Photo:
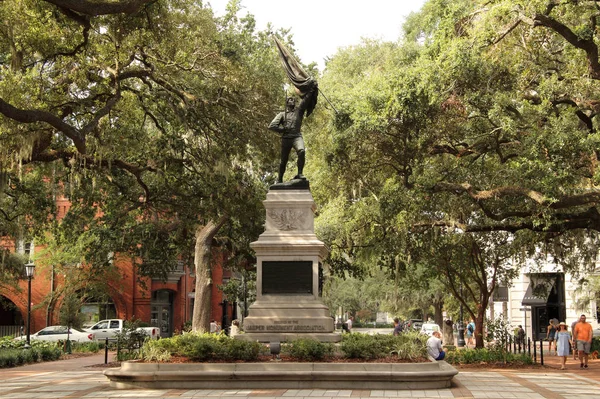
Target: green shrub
[
  {"x": 49, "y": 353},
  {"x": 489, "y": 356},
  {"x": 86, "y": 347},
  {"x": 9, "y": 343},
  {"x": 13, "y": 357},
  {"x": 152, "y": 351},
  {"x": 203, "y": 347},
  {"x": 360, "y": 346},
  {"x": 241, "y": 350},
  {"x": 409, "y": 345},
  {"x": 308, "y": 349}
]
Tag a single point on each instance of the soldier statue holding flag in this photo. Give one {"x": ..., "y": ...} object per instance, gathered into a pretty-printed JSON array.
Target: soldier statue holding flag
[{"x": 289, "y": 122}]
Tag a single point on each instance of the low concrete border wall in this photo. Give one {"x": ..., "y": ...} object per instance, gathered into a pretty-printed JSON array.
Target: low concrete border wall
[{"x": 280, "y": 375}]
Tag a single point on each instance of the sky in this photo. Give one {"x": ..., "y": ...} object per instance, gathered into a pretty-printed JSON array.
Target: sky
[{"x": 320, "y": 27}]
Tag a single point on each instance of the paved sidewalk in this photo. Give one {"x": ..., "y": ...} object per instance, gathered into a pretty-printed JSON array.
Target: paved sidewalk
[{"x": 73, "y": 379}]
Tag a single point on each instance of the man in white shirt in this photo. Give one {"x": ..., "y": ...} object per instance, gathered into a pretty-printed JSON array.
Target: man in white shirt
[
  {"x": 348, "y": 325},
  {"x": 213, "y": 327},
  {"x": 434, "y": 346}
]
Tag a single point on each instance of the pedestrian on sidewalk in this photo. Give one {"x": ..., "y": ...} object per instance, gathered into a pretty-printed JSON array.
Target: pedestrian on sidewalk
[
  {"x": 582, "y": 335},
  {"x": 551, "y": 336},
  {"x": 520, "y": 334},
  {"x": 470, "y": 332},
  {"x": 563, "y": 339},
  {"x": 573, "y": 342}
]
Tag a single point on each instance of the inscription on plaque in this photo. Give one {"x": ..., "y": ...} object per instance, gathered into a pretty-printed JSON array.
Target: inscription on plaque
[
  {"x": 283, "y": 328},
  {"x": 287, "y": 277}
]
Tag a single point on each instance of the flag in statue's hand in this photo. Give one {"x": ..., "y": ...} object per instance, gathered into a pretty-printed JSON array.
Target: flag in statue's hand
[{"x": 300, "y": 79}]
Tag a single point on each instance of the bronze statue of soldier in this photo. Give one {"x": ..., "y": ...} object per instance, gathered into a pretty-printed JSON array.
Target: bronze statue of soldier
[{"x": 289, "y": 123}]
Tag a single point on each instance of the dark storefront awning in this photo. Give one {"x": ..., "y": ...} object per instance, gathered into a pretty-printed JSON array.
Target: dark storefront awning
[{"x": 538, "y": 291}]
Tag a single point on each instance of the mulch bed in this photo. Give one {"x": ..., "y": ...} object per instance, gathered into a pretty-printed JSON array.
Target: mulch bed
[{"x": 289, "y": 359}]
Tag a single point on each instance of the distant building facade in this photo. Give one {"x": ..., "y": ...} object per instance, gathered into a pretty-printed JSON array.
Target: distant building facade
[
  {"x": 540, "y": 294},
  {"x": 165, "y": 304}
]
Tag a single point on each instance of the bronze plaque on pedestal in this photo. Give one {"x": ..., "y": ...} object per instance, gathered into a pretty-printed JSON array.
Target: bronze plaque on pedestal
[{"x": 287, "y": 277}]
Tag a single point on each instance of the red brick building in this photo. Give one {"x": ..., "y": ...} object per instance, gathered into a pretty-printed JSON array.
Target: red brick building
[{"x": 166, "y": 304}]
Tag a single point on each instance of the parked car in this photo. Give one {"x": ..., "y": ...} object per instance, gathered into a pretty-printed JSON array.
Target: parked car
[
  {"x": 429, "y": 328},
  {"x": 60, "y": 333},
  {"x": 596, "y": 332},
  {"x": 415, "y": 324},
  {"x": 109, "y": 328}
]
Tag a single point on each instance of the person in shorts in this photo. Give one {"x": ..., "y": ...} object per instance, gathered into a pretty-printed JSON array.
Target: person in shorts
[{"x": 582, "y": 336}]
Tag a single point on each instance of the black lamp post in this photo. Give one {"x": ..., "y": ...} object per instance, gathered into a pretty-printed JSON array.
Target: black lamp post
[
  {"x": 460, "y": 341},
  {"x": 29, "y": 269}
]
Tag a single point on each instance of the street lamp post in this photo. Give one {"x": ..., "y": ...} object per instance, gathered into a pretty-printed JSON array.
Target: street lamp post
[
  {"x": 460, "y": 342},
  {"x": 29, "y": 269}
]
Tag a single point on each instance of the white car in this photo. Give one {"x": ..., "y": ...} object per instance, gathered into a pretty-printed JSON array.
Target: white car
[
  {"x": 60, "y": 333},
  {"x": 429, "y": 328}
]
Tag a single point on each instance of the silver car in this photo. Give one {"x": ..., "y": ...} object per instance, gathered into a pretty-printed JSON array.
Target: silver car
[{"x": 60, "y": 333}]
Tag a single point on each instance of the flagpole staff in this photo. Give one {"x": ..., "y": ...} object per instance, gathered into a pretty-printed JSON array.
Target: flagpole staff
[{"x": 325, "y": 97}]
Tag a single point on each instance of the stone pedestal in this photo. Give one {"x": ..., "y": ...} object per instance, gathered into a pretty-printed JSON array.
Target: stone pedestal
[{"x": 289, "y": 255}]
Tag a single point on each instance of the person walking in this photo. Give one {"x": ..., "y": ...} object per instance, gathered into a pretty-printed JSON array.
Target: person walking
[
  {"x": 470, "y": 332},
  {"x": 573, "y": 342},
  {"x": 397, "y": 326},
  {"x": 349, "y": 324},
  {"x": 520, "y": 337},
  {"x": 582, "y": 336},
  {"x": 551, "y": 336},
  {"x": 563, "y": 340}
]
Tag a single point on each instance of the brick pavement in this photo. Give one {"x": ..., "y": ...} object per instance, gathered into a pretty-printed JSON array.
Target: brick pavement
[{"x": 74, "y": 379}]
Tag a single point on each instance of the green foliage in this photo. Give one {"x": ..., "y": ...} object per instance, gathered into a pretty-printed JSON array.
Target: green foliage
[
  {"x": 488, "y": 356},
  {"x": 409, "y": 345},
  {"x": 308, "y": 349},
  {"x": 70, "y": 312},
  {"x": 152, "y": 351},
  {"x": 499, "y": 334},
  {"x": 203, "y": 347},
  {"x": 130, "y": 339},
  {"x": 87, "y": 347},
  {"x": 18, "y": 356}
]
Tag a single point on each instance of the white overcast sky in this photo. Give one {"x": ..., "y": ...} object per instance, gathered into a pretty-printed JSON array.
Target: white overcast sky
[{"x": 320, "y": 27}]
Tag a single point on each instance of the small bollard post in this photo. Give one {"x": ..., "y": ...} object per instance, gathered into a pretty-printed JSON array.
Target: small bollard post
[
  {"x": 535, "y": 351},
  {"x": 542, "y": 352},
  {"x": 106, "y": 351}
]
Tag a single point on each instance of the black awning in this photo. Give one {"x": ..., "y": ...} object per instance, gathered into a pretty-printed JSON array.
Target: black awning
[{"x": 538, "y": 291}]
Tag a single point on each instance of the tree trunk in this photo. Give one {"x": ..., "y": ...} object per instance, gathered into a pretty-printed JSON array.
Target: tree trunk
[
  {"x": 479, "y": 322},
  {"x": 202, "y": 263},
  {"x": 438, "y": 315}
]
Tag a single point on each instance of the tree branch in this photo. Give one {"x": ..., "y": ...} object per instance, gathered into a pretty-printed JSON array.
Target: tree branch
[
  {"x": 33, "y": 116},
  {"x": 101, "y": 7},
  {"x": 587, "y": 45}
]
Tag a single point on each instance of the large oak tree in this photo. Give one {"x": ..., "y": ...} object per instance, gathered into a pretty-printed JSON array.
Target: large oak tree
[{"x": 150, "y": 116}]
